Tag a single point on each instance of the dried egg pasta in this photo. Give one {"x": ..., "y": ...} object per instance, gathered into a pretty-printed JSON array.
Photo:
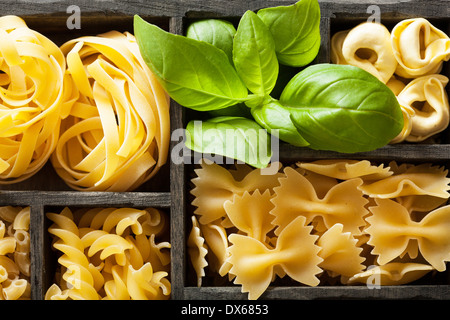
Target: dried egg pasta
[
  {"x": 116, "y": 133},
  {"x": 31, "y": 99}
]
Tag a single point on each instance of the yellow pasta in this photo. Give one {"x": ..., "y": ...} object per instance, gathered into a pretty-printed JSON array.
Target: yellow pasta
[
  {"x": 419, "y": 47},
  {"x": 250, "y": 213},
  {"x": 335, "y": 212},
  {"x": 14, "y": 253},
  {"x": 422, "y": 179},
  {"x": 295, "y": 252},
  {"x": 347, "y": 169},
  {"x": 391, "y": 229},
  {"x": 339, "y": 252},
  {"x": 367, "y": 46},
  {"x": 197, "y": 250},
  {"x": 394, "y": 273},
  {"x": 31, "y": 99},
  {"x": 214, "y": 185},
  {"x": 116, "y": 132},
  {"x": 296, "y": 196},
  {"x": 433, "y": 116},
  {"x": 102, "y": 257}
]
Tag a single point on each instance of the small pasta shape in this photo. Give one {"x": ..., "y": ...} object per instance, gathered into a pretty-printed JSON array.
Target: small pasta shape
[
  {"x": 295, "y": 196},
  {"x": 197, "y": 250},
  {"x": 391, "y": 229},
  {"x": 433, "y": 117},
  {"x": 214, "y": 185},
  {"x": 15, "y": 253},
  {"x": 419, "y": 47},
  {"x": 368, "y": 46},
  {"x": 295, "y": 252},
  {"x": 394, "y": 273},
  {"x": 102, "y": 257},
  {"x": 422, "y": 179}
]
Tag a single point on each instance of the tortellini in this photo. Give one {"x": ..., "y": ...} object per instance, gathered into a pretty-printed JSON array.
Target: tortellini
[
  {"x": 420, "y": 48},
  {"x": 408, "y": 60},
  {"x": 367, "y": 46}
]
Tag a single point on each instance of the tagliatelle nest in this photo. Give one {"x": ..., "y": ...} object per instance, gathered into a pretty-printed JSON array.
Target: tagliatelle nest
[{"x": 115, "y": 136}]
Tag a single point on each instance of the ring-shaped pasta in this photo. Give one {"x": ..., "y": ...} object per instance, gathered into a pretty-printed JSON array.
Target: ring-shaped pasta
[
  {"x": 368, "y": 46},
  {"x": 116, "y": 135},
  {"x": 31, "y": 99},
  {"x": 419, "y": 47}
]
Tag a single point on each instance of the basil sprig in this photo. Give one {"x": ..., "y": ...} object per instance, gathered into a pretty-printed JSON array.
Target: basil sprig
[{"x": 223, "y": 71}]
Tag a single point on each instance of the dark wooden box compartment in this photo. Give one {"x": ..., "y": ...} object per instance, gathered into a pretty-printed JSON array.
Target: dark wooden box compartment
[{"x": 169, "y": 190}]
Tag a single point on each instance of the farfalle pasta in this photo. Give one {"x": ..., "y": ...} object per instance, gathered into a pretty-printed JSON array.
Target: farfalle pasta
[
  {"x": 408, "y": 60},
  {"x": 391, "y": 229},
  {"x": 327, "y": 222},
  {"x": 296, "y": 196},
  {"x": 295, "y": 252},
  {"x": 109, "y": 254},
  {"x": 15, "y": 253},
  {"x": 31, "y": 99},
  {"x": 115, "y": 135},
  {"x": 214, "y": 185}
]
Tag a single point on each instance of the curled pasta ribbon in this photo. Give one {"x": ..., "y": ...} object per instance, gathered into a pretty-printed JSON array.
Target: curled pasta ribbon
[
  {"x": 116, "y": 133},
  {"x": 366, "y": 46},
  {"x": 339, "y": 252},
  {"x": 31, "y": 99},
  {"x": 347, "y": 169},
  {"x": 296, "y": 196},
  {"x": 197, "y": 250},
  {"x": 391, "y": 230},
  {"x": 253, "y": 262},
  {"x": 419, "y": 47},
  {"x": 433, "y": 117},
  {"x": 423, "y": 179},
  {"x": 394, "y": 273},
  {"x": 215, "y": 184}
]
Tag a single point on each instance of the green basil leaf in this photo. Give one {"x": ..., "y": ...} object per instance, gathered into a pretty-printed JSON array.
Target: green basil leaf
[
  {"x": 254, "y": 54},
  {"x": 195, "y": 74},
  {"x": 219, "y": 33},
  {"x": 238, "y": 110},
  {"x": 233, "y": 137},
  {"x": 296, "y": 31},
  {"x": 273, "y": 116},
  {"x": 342, "y": 108}
]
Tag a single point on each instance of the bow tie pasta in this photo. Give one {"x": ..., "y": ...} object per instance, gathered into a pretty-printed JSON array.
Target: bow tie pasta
[
  {"x": 326, "y": 221},
  {"x": 116, "y": 133},
  {"x": 31, "y": 100}
]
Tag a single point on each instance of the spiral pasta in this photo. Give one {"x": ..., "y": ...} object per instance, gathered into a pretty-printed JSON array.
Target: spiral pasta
[
  {"x": 31, "y": 99},
  {"x": 109, "y": 254},
  {"x": 116, "y": 132}
]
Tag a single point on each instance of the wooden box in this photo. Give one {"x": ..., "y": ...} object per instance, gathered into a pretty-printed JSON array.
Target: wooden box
[{"x": 169, "y": 190}]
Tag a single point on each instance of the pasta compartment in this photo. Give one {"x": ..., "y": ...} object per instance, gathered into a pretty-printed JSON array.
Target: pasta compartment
[
  {"x": 119, "y": 240},
  {"x": 285, "y": 287},
  {"x": 55, "y": 26}
]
